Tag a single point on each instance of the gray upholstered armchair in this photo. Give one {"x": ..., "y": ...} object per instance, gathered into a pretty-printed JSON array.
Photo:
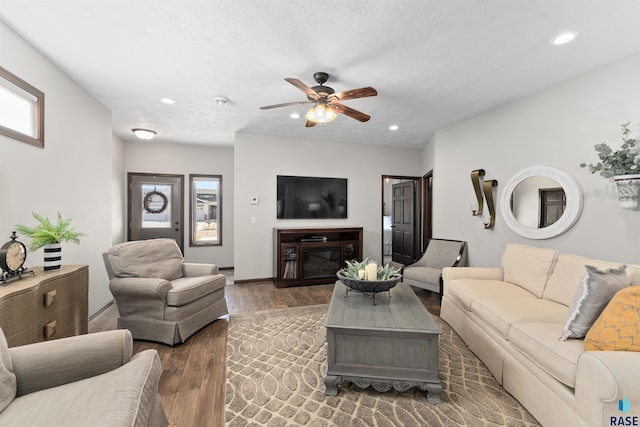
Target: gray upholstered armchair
[
  {"x": 159, "y": 296},
  {"x": 86, "y": 380},
  {"x": 426, "y": 273}
]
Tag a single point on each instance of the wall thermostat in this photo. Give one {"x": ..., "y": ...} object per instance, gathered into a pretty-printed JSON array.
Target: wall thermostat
[{"x": 254, "y": 200}]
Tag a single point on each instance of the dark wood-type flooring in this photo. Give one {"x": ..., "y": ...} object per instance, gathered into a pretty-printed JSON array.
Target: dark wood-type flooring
[{"x": 192, "y": 386}]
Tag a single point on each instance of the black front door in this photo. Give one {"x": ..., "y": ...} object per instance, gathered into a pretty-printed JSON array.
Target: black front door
[{"x": 155, "y": 207}]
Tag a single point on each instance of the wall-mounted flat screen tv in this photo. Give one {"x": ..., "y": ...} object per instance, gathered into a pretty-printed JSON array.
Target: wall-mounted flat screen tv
[{"x": 305, "y": 197}]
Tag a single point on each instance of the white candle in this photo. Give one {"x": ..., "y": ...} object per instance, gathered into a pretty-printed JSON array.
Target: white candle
[
  {"x": 361, "y": 274},
  {"x": 372, "y": 271}
]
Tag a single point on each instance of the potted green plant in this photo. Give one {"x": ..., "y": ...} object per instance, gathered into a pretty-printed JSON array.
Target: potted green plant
[
  {"x": 623, "y": 165},
  {"x": 50, "y": 235}
]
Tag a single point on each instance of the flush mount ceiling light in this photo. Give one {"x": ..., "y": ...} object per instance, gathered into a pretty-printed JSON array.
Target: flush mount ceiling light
[
  {"x": 294, "y": 115},
  {"x": 394, "y": 127},
  {"x": 221, "y": 101},
  {"x": 168, "y": 101},
  {"x": 144, "y": 133},
  {"x": 320, "y": 114},
  {"x": 564, "y": 38}
]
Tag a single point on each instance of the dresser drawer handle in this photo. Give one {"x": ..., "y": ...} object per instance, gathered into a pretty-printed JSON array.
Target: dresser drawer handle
[
  {"x": 50, "y": 329},
  {"x": 50, "y": 297}
]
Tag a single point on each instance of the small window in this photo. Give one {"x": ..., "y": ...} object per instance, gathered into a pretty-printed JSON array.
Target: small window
[
  {"x": 205, "y": 210},
  {"x": 21, "y": 110}
]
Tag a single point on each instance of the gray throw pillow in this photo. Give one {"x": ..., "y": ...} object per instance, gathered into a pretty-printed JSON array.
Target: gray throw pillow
[
  {"x": 594, "y": 292},
  {"x": 7, "y": 377}
]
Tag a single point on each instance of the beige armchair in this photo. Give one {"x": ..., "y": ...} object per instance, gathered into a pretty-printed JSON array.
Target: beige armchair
[
  {"x": 86, "y": 380},
  {"x": 159, "y": 296},
  {"x": 426, "y": 273}
]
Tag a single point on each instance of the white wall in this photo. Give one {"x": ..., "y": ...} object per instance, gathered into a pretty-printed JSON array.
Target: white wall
[
  {"x": 429, "y": 155},
  {"x": 69, "y": 175},
  {"x": 258, "y": 159},
  {"x": 180, "y": 159},
  {"x": 556, "y": 127}
]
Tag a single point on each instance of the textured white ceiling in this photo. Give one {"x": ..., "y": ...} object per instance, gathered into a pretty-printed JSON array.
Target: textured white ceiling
[{"x": 433, "y": 62}]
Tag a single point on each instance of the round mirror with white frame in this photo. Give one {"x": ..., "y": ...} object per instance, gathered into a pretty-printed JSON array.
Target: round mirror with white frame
[{"x": 533, "y": 178}]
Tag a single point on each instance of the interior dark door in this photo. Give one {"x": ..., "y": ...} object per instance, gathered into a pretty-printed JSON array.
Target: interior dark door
[
  {"x": 155, "y": 207},
  {"x": 427, "y": 210},
  {"x": 402, "y": 219},
  {"x": 552, "y": 204}
]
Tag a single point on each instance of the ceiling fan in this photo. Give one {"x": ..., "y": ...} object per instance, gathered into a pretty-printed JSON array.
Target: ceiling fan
[{"x": 326, "y": 101}]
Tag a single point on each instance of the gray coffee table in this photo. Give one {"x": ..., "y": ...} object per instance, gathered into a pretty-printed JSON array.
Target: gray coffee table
[{"x": 391, "y": 344}]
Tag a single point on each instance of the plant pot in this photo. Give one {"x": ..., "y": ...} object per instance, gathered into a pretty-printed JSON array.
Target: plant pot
[
  {"x": 628, "y": 190},
  {"x": 52, "y": 256}
]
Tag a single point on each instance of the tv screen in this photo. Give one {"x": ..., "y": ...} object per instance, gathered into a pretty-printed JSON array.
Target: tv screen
[{"x": 305, "y": 197}]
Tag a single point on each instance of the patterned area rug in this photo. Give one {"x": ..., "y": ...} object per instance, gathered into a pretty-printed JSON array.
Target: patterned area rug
[{"x": 276, "y": 361}]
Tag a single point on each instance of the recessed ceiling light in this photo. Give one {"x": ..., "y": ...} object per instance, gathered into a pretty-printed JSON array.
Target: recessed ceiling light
[
  {"x": 294, "y": 115},
  {"x": 168, "y": 101},
  {"x": 221, "y": 101},
  {"x": 564, "y": 38},
  {"x": 394, "y": 127}
]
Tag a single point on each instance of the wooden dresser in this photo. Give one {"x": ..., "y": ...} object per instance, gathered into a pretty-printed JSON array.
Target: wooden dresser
[{"x": 45, "y": 306}]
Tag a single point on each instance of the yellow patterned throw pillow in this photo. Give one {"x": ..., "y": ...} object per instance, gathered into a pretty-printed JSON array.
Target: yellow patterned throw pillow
[{"x": 618, "y": 327}]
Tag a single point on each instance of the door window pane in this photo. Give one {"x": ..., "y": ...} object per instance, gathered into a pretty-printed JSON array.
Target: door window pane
[
  {"x": 156, "y": 206},
  {"x": 206, "y": 210}
]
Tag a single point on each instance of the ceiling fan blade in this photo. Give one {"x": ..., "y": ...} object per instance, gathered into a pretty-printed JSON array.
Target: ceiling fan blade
[
  {"x": 354, "y": 93},
  {"x": 348, "y": 111},
  {"x": 303, "y": 87},
  {"x": 286, "y": 104},
  {"x": 309, "y": 124}
]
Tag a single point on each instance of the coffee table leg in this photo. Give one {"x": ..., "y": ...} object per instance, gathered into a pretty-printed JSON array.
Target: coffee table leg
[
  {"x": 433, "y": 392},
  {"x": 331, "y": 385}
]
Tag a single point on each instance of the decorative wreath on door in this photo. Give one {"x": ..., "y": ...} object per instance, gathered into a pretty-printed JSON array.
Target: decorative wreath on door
[{"x": 155, "y": 197}]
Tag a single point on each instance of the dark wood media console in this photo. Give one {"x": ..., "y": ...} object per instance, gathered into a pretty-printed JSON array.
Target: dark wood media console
[{"x": 313, "y": 256}]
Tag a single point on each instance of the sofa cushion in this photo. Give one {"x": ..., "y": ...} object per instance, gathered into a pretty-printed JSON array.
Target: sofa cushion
[
  {"x": 528, "y": 267},
  {"x": 594, "y": 292},
  {"x": 465, "y": 291},
  {"x": 7, "y": 377},
  {"x": 124, "y": 396},
  {"x": 154, "y": 258},
  {"x": 538, "y": 341},
  {"x": 501, "y": 312},
  {"x": 569, "y": 270},
  {"x": 618, "y": 327},
  {"x": 188, "y": 289}
]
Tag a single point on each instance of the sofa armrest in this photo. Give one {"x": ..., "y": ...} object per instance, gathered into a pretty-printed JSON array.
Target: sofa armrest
[
  {"x": 192, "y": 269},
  {"x": 481, "y": 273},
  {"x": 49, "y": 364},
  {"x": 602, "y": 379},
  {"x": 137, "y": 287}
]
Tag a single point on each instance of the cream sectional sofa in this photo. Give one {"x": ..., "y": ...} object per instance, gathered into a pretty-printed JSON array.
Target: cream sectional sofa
[{"x": 512, "y": 318}]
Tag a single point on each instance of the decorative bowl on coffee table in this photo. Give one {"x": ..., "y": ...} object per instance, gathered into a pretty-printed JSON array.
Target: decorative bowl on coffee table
[{"x": 368, "y": 287}]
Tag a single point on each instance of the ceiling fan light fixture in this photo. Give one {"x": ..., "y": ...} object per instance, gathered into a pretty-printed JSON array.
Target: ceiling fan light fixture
[
  {"x": 320, "y": 114},
  {"x": 145, "y": 134}
]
